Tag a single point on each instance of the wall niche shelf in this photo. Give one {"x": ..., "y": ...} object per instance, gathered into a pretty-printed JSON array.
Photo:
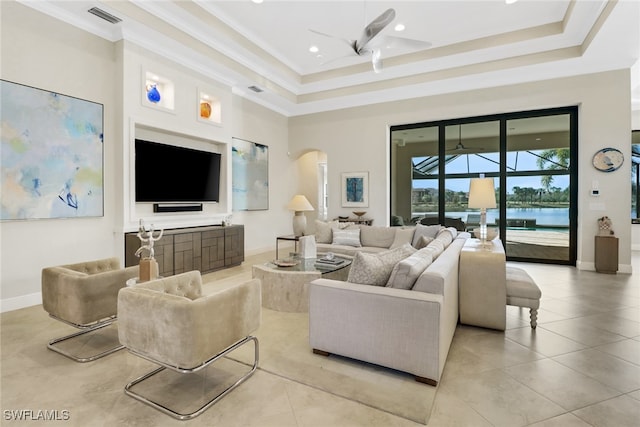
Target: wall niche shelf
[
  {"x": 158, "y": 92},
  {"x": 209, "y": 108}
]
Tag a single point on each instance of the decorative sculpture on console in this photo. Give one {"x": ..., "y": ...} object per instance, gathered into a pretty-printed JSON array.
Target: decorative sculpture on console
[
  {"x": 604, "y": 225},
  {"x": 148, "y": 264}
]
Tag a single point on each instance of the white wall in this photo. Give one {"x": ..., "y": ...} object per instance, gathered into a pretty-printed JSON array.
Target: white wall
[
  {"x": 45, "y": 53},
  {"x": 356, "y": 139},
  {"x": 255, "y": 123}
]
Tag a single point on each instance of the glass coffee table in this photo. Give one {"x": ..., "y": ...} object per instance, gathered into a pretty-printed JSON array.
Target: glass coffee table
[{"x": 286, "y": 288}]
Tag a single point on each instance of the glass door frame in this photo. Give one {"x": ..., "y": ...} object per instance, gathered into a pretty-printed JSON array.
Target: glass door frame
[{"x": 503, "y": 118}]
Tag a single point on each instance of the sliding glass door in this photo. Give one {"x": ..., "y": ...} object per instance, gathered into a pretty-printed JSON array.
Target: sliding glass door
[
  {"x": 538, "y": 196},
  {"x": 530, "y": 156}
]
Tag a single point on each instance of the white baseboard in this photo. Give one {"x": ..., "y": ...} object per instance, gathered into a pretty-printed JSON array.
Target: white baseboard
[
  {"x": 16, "y": 303},
  {"x": 591, "y": 266}
]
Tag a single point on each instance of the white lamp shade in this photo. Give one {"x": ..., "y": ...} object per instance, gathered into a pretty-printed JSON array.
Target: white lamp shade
[
  {"x": 482, "y": 193},
  {"x": 299, "y": 203}
]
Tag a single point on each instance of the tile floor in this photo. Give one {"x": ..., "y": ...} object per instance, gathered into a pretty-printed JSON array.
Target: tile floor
[{"x": 580, "y": 367}]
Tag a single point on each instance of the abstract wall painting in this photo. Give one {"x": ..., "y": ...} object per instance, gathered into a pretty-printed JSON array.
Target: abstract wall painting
[
  {"x": 51, "y": 155},
  {"x": 355, "y": 189},
  {"x": 250, "y": 175}
]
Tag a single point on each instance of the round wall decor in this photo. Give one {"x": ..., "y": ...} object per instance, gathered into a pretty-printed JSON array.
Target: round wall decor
[{"x": 608, "y": 159}]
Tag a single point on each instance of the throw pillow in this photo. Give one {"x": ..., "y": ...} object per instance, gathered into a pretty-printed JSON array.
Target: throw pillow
[
  {"x": 425, "y": 230},
  {"x": 423, "y": 241},
  {"x": 323, "y": 231},
  {"x": 406, "y": 272},
  {"x": 375, "y": 269},
  {"x": 403, "y": 235},
  {"x": 378, "y": 237},
  {"x": 346, "y": 237}
]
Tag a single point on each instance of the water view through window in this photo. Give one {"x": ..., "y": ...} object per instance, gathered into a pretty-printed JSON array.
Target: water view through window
[{"x": 529, "y": 161}]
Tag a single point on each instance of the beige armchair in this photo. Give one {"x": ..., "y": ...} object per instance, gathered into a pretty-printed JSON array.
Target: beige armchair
[
  {"x": 85, "y": 296},
  {"x": 171, "y": 323}
]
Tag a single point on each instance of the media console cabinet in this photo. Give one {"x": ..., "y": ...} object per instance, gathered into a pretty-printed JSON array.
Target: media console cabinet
[{"x": 207, "y": 249}]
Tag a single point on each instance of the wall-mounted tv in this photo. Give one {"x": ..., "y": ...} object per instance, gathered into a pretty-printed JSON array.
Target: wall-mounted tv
[{"x": 168, "y": 173}]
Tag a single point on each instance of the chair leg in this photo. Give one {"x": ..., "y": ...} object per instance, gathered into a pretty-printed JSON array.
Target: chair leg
[
  {"x": 180, "y": 416},
  {"x": 85, "y": 330}
]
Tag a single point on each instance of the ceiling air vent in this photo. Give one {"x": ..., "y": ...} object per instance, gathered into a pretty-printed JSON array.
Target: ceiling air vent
[
  {"x": 256, "y": 89},
  {"x": 104, "y": 15}
]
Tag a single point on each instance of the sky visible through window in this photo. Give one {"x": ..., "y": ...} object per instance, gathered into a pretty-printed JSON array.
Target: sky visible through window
[{"x": 485, "y": 163}]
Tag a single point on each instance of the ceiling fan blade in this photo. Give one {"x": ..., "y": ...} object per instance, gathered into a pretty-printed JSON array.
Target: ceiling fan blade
[
  {"x": 393, "y": 42},
  {"x": 350, "y": 43},
  {"x": 376, "y": 60},
  {"x": 461, "y": 149},
  {"x": 372, "y": 30}
]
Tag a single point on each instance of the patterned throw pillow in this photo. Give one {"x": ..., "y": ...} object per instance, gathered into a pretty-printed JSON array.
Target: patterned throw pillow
[
  {"x": 346, "y": 237},
  {"x": 375, "y": 269}
]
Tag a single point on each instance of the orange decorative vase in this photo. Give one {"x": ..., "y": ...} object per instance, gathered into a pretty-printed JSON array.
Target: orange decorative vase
[{"x": 205, "y": 110}]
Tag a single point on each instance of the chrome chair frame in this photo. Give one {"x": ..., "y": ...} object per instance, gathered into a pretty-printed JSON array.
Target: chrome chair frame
[
  {"x": 85, "y": 329},
  {"x": 211, "y": 402}
]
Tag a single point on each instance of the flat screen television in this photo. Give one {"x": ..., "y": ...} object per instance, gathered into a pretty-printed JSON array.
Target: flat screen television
[{"x": 168, "y": 173}]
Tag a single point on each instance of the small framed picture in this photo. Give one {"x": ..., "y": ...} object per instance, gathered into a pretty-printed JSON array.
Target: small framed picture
[{"x": 355, "y": 189}]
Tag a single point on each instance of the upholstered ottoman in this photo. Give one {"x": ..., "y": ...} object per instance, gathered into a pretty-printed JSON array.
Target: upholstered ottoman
[{"x": 522, "y": 291}]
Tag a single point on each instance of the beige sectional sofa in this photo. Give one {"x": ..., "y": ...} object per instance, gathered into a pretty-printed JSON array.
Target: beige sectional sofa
[{"x": 406, "y": 323}]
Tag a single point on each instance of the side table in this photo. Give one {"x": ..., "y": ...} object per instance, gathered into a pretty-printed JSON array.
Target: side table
[
  {"x": 482, "y": 284},
  {"x": 606, "y": 254},
  {"x": 290, "y": 238}
]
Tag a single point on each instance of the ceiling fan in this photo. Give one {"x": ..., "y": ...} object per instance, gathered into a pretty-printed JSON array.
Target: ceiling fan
[
  {"x": 370, "y": 43},
  {"x": 460, "y": 148}
]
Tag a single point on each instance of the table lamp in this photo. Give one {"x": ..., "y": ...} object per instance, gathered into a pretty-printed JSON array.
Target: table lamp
[
  {"x": 482, "y": 195},
  {"x": 299, "y": 204}
]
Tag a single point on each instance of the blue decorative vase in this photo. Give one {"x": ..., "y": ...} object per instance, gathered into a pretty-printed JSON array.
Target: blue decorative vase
[{"x": 153, "y": 94}]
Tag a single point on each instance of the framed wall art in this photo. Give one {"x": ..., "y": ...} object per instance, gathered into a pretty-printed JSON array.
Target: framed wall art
[
  {"x": 51, "y": 155},
  {"x": 250, "y": 175},
  {"x": 355, "y": 189}
]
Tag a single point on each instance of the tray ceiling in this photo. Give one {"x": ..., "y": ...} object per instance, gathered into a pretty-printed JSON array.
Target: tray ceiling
[{"x": 474, "y": 44}]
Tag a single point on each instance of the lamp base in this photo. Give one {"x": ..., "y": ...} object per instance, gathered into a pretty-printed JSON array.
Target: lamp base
[{"x": 299, "y": 224}]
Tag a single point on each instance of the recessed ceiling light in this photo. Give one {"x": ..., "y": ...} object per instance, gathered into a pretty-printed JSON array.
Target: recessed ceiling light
[
  {"x": 399, "y": 27},
  {"x": 510, "y": 1},
  {"x": 313, "y": 49},
  {"x": 257, "y": 1}
]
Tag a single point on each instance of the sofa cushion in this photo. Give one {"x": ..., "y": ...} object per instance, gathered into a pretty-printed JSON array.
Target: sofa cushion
[
  {"x": 425, "y": 230},
  {"x": 379, "y": 237},
  {"x": 403, "y": 235},
  {"x": 375, "y": 269},
  {"x": 406, "y": 272},
  {"x": 346, "y": 237},
  {"x": 452, "y": 230},
  {"x": 436, "y": 247},
  {"x": 445, "y": 237}
]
